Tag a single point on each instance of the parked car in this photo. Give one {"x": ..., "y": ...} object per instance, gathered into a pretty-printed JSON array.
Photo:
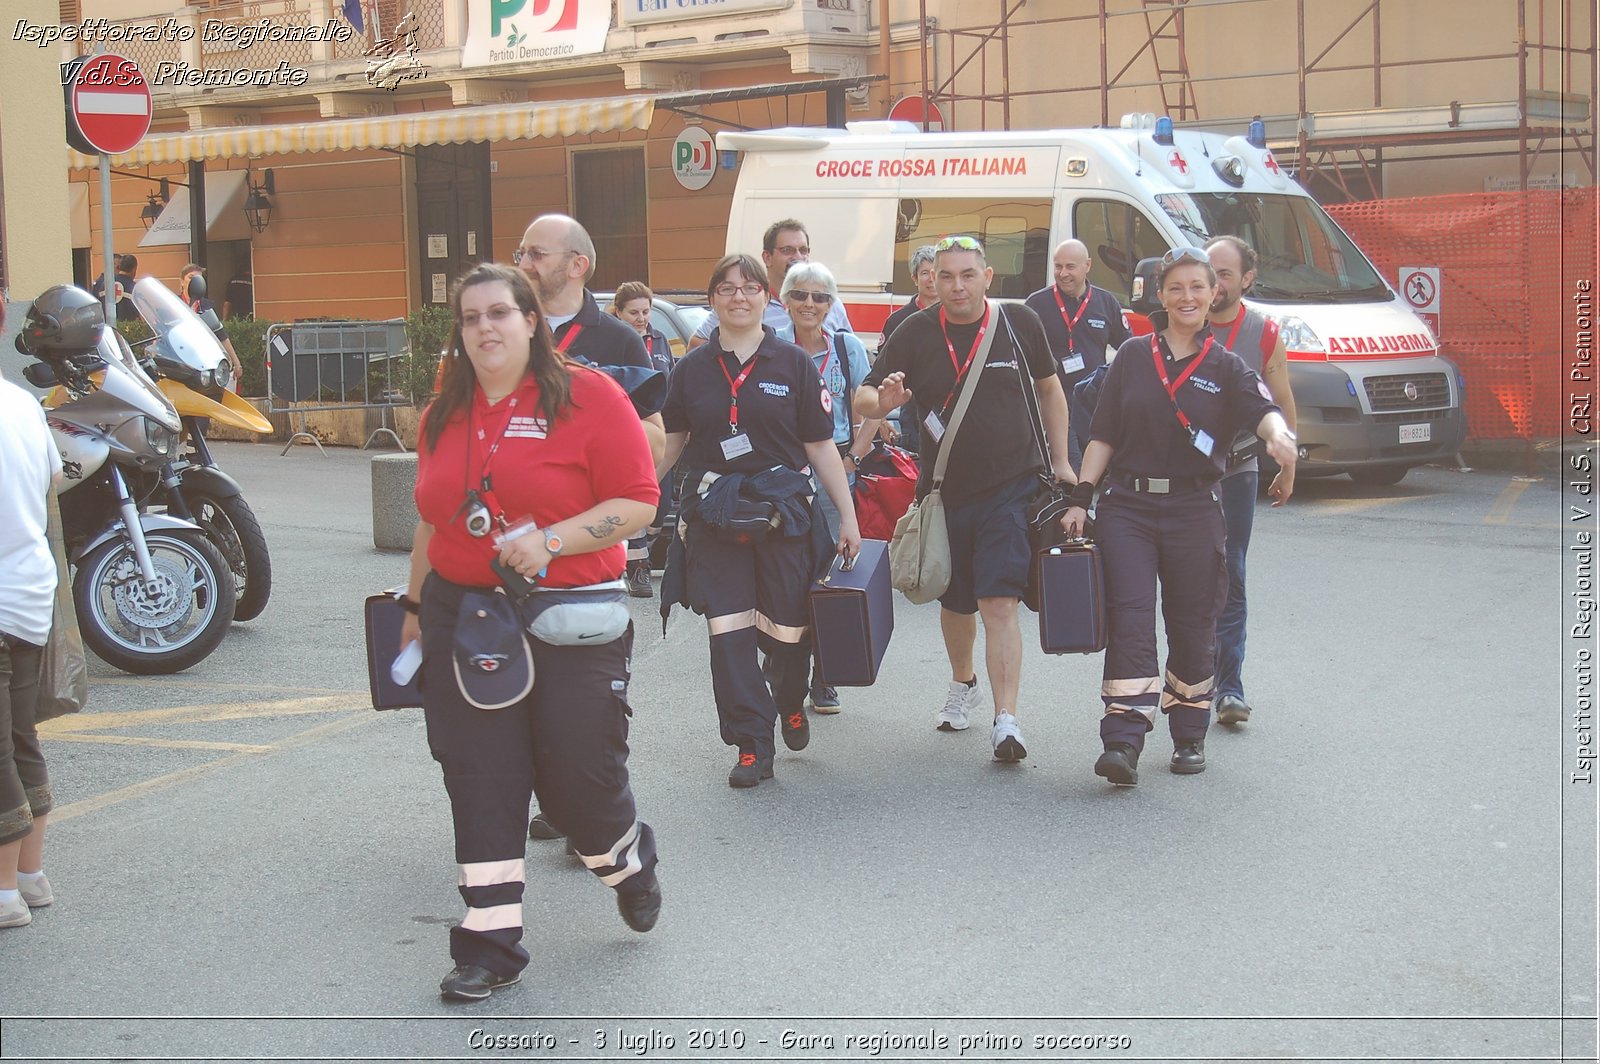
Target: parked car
[{"x": 676, "y": 321}]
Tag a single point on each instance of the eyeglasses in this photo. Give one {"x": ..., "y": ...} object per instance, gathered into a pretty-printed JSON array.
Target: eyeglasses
[
  {"x": 1187, "y": 253},
  {"x": 789, "y": 251},
  {"x": 816, "y": 297},
  {"x": 497, "y": 314},
  {"x": 535, "y": 254},
  {"x": 962, "y": 243},
  {"x": 726, "y": 290}
]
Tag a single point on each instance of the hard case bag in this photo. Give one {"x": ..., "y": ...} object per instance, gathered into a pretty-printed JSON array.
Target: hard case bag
[
  {"x": 852, "y": 617},
  {"x": 384, "y": 618},
  {"x": 1072, "y": 599}
]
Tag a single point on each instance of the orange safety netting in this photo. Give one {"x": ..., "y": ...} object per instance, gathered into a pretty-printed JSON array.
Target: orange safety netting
[{"x": 1509, "y": 266}]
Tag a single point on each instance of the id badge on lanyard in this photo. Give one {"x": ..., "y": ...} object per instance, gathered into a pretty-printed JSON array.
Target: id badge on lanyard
[
  {"x": 1198, "y": 437},
  {"x": 1074, "y": 360},
  {"x": 737, "y": 443}
]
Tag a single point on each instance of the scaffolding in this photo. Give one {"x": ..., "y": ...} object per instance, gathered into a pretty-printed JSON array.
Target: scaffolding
[{"x": 1343, "y": 147}]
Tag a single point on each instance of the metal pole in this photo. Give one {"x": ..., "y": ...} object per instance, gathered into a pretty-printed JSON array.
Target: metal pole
[
  {"x": 1300, "y": 34},
  {"x": 1522, "y": 95},
  {"x": 109, "y": 295},
  {"x": 1105, "y": 89},
  {"x": 883, "y": 56},
  {"x": 1005, "y": 66},
  {"x": 922, "y": 32}
]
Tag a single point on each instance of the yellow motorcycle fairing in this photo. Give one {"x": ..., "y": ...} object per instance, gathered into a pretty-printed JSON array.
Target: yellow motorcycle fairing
[{"x": 231, "y": 410}]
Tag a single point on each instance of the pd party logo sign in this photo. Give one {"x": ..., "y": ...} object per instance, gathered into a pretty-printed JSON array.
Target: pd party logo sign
[
  {"x": 505, "y": 32},
  {"x": 694, "y": 158}
]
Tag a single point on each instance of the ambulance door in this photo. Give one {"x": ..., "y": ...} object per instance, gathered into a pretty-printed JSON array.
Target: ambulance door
[{"x": 1118, "y": 233}]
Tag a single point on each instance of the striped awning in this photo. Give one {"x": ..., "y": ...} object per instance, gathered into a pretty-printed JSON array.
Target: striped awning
[{"x": 456, "y": 126}]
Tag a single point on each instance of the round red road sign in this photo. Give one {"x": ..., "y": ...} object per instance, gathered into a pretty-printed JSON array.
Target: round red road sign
[
  {"x": 913, "y": 108},
  {"x": 108, "y": 104}
]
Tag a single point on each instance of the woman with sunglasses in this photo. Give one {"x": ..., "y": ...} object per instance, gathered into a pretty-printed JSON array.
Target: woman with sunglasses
[
  {"x": 809, "y": 291},
  {"x": 540, "y": 466},
  {"x": 1170, "y": 405},
  {"x": 753, "y": 424}
]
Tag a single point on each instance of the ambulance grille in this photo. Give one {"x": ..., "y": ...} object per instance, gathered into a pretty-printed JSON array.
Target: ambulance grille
[{"x": 1389, "y": 393}]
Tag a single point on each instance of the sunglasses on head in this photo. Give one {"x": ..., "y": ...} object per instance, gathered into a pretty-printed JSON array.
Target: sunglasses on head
[
  {"x": 963, "y": 243},
  {"x": 815, "y": 297},
  {"x": 1188, "y": 253}
]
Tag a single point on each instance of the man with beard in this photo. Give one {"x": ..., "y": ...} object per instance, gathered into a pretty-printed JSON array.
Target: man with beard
[{"x": 1253, "y": 337}]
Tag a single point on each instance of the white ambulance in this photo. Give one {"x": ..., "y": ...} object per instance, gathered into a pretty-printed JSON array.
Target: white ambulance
[{"x": 1373, "y": 394}]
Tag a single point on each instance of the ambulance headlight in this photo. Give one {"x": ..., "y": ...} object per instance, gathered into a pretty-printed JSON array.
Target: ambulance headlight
[{"x": 1298, "y": 336}]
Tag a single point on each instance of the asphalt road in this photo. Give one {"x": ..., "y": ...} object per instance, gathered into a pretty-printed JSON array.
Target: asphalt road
[{"x": 250, "y": 863}]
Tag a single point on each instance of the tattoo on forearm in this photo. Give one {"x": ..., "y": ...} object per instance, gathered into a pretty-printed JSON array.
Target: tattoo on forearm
[{"x": 608, "y": 524}]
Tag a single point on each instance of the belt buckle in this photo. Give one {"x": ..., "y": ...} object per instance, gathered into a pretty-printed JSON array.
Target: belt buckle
[{"x": 1158, "y": 485}]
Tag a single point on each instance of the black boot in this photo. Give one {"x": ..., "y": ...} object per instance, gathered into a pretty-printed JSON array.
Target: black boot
[
  {"x": 1119, "y": 764},
  {"x": 1188, "y": 756}
]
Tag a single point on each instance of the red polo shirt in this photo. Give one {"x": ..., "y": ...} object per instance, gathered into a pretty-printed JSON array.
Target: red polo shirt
[{"x": 595, "y": 451}]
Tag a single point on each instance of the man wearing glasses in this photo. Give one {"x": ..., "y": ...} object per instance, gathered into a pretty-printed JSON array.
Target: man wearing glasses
[
  {"x": 558, "y": 256},
  {"x": 784, "y": 244},
  {"x": 991, "y": 474}
]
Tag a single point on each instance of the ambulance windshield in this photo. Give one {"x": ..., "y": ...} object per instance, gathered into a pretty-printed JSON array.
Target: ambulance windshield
[{"x": 1304, "y": 256}]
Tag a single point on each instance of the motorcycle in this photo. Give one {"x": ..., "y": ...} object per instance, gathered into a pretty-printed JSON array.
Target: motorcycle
[
  {"x": 153, "y": 594},
  {"x": 195, "y": 374}
]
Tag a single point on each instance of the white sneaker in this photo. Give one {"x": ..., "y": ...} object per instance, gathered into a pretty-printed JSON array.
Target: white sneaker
[
  {"x": 37, "y": 893},
  {"x": 960, "y": 701},
  {"x": 15, "y": 913},
  {"x": 1007, "y": 738}
]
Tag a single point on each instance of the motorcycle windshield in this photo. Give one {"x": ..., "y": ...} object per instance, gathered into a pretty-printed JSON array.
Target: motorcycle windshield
[
  {"x": 136, "y": 387},
  {"x": 183, "y": 337}
]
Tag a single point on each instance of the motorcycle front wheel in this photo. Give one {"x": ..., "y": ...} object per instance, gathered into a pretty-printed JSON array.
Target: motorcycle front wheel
[
  {"x": 233, "y": 527},
  {"x": 161, "y": 629}
]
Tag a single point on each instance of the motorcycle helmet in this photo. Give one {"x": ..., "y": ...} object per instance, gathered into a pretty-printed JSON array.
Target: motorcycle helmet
[{"x": 64, "y": 320}]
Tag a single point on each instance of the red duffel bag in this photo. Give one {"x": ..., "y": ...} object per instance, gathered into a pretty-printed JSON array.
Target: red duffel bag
[{"x": 886, "y": 484}]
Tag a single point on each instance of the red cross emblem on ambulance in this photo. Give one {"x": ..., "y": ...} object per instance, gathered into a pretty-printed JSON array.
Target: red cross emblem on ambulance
[
  {"x": 1270, "y": 163},
  {"x": 1178, "y": 162}
]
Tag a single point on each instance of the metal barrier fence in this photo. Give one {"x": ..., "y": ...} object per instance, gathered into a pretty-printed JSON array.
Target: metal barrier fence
[{"x": 336, "y": 365}]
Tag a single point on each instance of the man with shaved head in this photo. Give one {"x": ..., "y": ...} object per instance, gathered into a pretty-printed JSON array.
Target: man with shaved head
[
  {"x": 1080, "y": 320},
  {"x": 558, "y": 256}
]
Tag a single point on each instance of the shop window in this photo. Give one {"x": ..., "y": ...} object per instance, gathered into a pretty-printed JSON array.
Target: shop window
[
  {"x": 608, "y": 197},
  {"x": 1015, "y": 235}
]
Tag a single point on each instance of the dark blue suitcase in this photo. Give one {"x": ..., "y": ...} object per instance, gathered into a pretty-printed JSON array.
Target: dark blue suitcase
[
  {"x": 852, "y": 617},
  {"x": 1072, "y": 599},
  {"x": 384, "y": 618}
]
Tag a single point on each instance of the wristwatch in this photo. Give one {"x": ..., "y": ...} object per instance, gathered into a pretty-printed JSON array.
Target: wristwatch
[
  {"x": 855, "y": 459},
  {"x": 553, "y": 543}
]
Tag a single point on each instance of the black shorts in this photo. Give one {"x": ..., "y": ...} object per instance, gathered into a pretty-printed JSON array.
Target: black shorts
[{"x": 989, "y": 547}]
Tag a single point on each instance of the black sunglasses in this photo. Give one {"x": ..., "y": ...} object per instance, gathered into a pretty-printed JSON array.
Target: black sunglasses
[{"x": 815, "y": 297}]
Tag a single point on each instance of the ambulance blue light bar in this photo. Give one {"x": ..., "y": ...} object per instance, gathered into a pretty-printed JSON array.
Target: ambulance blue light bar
[{"x": 1163, "y": 133}]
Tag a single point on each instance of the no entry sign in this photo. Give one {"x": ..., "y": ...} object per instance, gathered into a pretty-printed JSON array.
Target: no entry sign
[{"x": 108, "y": 103}]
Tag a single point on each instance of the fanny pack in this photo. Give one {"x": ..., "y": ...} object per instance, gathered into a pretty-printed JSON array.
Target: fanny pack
[
  {"x": 576, "y": 616},
  {"x": 753, "y": 521}
]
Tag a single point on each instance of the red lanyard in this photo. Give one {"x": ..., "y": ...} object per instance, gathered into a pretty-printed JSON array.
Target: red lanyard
[
  {"x": 827, "y": 356},
  {"x": 485, "y": 480},
  {"x": 977, "y": 342},
  {"x": 733, "y": 388},
  {"x": 647, "y": 345},
  {"x": 1172, "y": 386},
  {"x": 572, "y": 334},
  {"x": 1073, "y": 323},
  {"x": 1233, "y": 334}
]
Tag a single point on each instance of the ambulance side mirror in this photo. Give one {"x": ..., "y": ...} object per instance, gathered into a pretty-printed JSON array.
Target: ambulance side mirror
[{"x": 1143, "y": 296}]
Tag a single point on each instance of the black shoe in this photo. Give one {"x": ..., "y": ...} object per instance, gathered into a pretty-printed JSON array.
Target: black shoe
[
  {"x": 639, "y": 580},
  {"x": 541, "y": 828},
  {"x": 1188, "y": 756},
  {"x": 640, "y": 907},
  {"x": 824, "y": 699},
  {"x": 796, "y": 728},
  {"x": 750, "y": 770},
  {"x": 468, "y": 982},
  {"x": 1119, "y": 764},
  {"x": 1231, "y": 709}
]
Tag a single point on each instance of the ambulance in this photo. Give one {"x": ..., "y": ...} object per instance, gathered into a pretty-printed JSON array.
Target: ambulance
[{"x": 1374, "y": 395}]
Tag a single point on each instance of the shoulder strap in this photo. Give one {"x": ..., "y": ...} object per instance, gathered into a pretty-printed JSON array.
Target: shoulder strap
[
  {"x": 1030, "y": 393},
  {"x": 968, "y": 388},
  {"x": 844, "y": 364}
]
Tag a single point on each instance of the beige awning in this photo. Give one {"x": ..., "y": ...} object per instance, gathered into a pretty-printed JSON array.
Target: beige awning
[{"x": 459, "y": 125}]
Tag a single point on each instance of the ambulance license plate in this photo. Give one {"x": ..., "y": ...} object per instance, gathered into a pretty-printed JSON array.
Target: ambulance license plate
[{"x": 1416, "y": 433}]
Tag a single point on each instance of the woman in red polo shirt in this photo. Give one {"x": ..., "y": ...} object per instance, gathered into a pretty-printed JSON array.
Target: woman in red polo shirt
[{"x": 541, "y": 466}]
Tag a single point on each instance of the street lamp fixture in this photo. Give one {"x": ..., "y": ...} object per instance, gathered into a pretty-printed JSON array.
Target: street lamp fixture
[
  {"x": 153, "y": 206},
  {"x": 258, "y": 205}
]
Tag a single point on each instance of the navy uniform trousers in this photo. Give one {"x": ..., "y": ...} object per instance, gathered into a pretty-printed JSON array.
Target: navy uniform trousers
[
  {"x": 567, "y": 743},
  {"x": 1177, "y": 539},
  {"x": 754, "y": 596}
]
